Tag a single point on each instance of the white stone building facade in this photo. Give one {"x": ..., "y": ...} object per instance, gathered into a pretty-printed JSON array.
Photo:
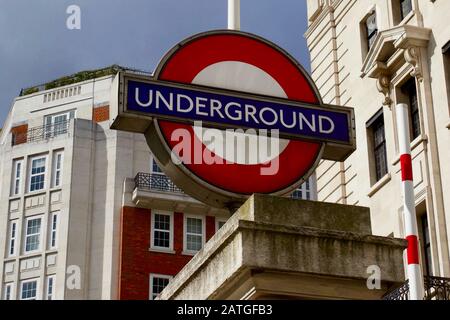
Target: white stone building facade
[{"x": 372, "y": 55}]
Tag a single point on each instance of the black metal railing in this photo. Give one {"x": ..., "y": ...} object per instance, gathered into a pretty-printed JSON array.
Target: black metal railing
[
  {"x": 436, "y": 288},
  {"x": 154, "y": 181},
  {"x": 41, "y": 133}
]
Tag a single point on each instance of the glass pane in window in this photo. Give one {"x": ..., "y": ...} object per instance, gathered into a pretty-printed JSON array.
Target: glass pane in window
[
  {"x": 158, "y": 285},
  {"x": 33, "y": 235},
  {"x": 155, "y": 167},
  {"x": 194, "y": 225},
  {"x": 406, "y": 7},
  {"x": 371, "y": 24},
  {"x": 29, "y": 290},
  {"x": 193, "y": 242}
]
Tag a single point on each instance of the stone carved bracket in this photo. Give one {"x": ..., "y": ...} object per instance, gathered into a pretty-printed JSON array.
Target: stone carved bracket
[
  {"x": 383, "y": 86},
  {"x": 412, "y": 56}
]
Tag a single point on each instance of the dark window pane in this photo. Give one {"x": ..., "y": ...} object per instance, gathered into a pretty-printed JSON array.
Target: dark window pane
[
  {"x": 371, "y": 29},
  {"x": 410, "y": 90},
  {"x": 379, "y": 148},
  {"x": 158, "y": 286},
  {"x": 405, "y": 8},
  {"x": 426, "y": 245}
]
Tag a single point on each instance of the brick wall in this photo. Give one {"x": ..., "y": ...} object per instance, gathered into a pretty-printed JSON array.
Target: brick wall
[
  {"x": 100, "y": 114},
  {"x": 19, "y": 134},
  {"x": 137, "y": 262}
]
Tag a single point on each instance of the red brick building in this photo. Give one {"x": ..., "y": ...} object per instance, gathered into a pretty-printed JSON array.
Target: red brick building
[{"x": 148, "y": 256}]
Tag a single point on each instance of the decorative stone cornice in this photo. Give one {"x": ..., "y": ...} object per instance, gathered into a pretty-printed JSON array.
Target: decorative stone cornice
[
  {"x": 392, "y": 49},
  {"x": 389, "y": 47}
]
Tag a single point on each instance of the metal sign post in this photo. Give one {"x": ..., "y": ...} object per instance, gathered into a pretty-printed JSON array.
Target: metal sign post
[
  {"x": 409, "y": 209},
  {"x": 234, "y": 15}
]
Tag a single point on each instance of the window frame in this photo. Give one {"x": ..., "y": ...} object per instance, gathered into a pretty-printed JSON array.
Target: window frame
[
  {"x": 410, "y": 91},
  {"x": 16, "y": 187},
  {"x": 153, "y": 247},
  {"x": 53, "y": 230},
  {"x": 49, "y": 126},
  {"x": 12, "y": 239},
  {"x": 28, "y": 281},
  {"x": 9, "y": 285},
  {"x": 27, "y": 235},
  {"x": 402, "y": 14},
  {"x": 426, "y": 244},
  {"x": 371, "y": 36},
  {"x": 56, "y": 170},
  {"x": 151, "y": 278},
  {"x": 30, "y": 175},
  {"x": 218, "y": 221},
  {"x": 380, "y": 149},
  {"x": 47, "y": 286},
  {"x": 372, "y": 126},
  {"x": 153, "y": 163},
  {"x": 185, "y": 219}
]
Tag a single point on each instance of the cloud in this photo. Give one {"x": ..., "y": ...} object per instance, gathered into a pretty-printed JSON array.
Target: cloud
[{"x": 36, "y": 46}]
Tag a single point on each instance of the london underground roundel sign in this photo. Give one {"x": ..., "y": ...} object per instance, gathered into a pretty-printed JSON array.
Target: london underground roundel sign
[{"x": 228, "y": 114}]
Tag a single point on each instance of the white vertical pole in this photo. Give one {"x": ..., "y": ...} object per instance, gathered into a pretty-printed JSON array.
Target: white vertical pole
[
  {"x": 234, "y": 14},
  {"x": 416, "y": 285}
]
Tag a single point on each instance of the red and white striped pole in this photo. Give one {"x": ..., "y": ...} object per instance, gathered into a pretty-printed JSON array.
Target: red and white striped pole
[{"x": 414, "y": 271}]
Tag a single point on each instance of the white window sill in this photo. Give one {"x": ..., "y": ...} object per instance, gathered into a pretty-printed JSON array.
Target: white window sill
[
  {"x": 162, "y": 250},
  {"x": 380, "y": 184},
  {"x": 189, "y": 253},
  {"x": 31, "y": 253},
  {"x": 36, "y": 192}
]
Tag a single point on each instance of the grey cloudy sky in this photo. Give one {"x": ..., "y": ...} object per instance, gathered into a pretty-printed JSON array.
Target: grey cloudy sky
[{"x": 36, "y": 46}]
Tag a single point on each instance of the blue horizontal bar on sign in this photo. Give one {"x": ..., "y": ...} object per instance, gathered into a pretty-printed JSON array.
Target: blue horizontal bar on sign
[{"x": 230, "y": 109}]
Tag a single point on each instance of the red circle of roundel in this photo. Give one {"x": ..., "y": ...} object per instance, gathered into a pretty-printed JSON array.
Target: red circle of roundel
[{"x": 294, "y": 161}]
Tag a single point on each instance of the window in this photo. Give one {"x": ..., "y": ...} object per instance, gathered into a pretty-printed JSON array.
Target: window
[
  {"x": 53, "y": 230},
  {"x": 405, "y": 8},
  {"x": 194, "y": 234},
  {"x": 157, "y": 284},
  {"x": 17, "y": 177},
  {"x": 8, "y": 291},
  {"x": 371, "y": 29},
  {"x": 57, "y": 124},
  {"x": 37, "y": 173},
  {"x": 306, "y": 191},
  {"x": 162, "y": 231},
  {"x": 426, "y": 242},
  {"x": 29, "y": 290},
  {"x": 12, "y": 238},
  {"x": 409, "y": 89},
  {"x": 220, "y": 223},
  {"x": 378, "y": 145},
  {"x": 155, "y": 168},
  {"x": 57, "y": 168},
  {"x": 50, "y": 287},
  {"x": 33, "y": 235}
]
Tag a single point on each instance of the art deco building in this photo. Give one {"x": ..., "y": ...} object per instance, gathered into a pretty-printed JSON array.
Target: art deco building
[{"x": 372, "y": 55}]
